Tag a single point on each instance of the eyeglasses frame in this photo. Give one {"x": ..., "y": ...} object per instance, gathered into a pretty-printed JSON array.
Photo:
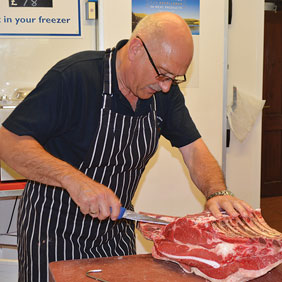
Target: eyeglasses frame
[{"x": 174, "y": 81}]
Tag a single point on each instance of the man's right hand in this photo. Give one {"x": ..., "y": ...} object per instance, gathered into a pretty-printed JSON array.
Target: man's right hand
[
  {"x": 93, "y": 198},
  {"x": 30, "y": 159}
]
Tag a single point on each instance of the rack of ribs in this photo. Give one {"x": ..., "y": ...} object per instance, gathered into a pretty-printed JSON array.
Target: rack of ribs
[{"x": 226, "y": 249}]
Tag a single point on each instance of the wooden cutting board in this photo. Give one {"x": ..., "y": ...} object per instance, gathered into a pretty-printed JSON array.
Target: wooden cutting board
[
  {"x": 116, "y": 269},
  {"x": 135, "y": 268}
]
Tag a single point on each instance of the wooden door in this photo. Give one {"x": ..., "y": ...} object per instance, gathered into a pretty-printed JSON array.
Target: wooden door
[{"x": 271, "y": 174}]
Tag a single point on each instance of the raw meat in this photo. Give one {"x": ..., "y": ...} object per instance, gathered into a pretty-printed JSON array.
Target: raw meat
[{"x": 229, "y": 249}]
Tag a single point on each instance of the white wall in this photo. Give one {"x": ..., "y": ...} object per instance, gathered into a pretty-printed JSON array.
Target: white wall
[
  {"x": 114, "y": 22},
  {"x": 245, "y": 58}
]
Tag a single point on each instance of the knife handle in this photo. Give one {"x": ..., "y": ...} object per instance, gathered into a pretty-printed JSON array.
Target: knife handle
[{"x": 121, "y": 212}]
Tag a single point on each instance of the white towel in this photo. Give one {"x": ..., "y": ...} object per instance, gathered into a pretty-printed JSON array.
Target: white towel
[{"x": 243, "y": 113}]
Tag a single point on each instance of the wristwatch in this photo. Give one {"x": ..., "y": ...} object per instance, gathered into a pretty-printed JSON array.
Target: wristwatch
[{"x": 220, "y": 193}]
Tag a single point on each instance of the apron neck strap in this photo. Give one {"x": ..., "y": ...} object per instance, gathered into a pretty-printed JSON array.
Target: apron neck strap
[{"x": 107, "y": 86}]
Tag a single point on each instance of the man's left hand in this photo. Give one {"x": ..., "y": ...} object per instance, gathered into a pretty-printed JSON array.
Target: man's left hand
[{"x": 232, "y": 205}]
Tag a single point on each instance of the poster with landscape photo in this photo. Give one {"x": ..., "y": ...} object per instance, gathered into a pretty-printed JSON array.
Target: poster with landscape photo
[{"x": 189, "y": 10}]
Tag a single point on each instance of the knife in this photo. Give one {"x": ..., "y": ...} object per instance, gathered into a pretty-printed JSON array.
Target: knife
[{"x": 131, "y": 215}]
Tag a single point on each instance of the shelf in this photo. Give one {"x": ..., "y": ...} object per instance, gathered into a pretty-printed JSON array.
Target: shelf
[{"x": 11, "y": 189}]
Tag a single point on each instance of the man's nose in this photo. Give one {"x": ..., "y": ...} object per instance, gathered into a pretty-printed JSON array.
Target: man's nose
[{"x": 165, "y": 85}]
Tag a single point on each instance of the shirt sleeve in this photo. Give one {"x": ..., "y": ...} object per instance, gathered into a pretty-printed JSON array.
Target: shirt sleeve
[
  {"x": 177, "y": 126},
  {"x": 44, "y": 112}
]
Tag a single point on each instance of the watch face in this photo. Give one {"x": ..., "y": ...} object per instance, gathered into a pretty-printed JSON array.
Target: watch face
[{"x": 30, "y": 3}]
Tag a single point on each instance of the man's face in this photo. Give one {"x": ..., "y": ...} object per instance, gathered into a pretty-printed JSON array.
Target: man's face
[{"x": 157, "y": 72}]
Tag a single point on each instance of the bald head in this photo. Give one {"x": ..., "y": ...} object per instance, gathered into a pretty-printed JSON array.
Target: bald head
[
  {"x": 161, "y": 24},
  {"x": 158, "y": 53},
  {"x": 167, "y": 34}
]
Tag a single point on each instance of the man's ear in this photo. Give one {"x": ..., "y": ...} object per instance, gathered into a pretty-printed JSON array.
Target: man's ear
[{"x": 134, "y": 48}]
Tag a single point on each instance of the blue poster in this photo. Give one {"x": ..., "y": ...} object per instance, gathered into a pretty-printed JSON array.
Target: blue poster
[{"x": 189, "y": 10}]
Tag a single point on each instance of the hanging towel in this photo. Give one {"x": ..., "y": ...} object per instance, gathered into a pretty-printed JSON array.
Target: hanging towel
[{"x": 243, "y": 113}]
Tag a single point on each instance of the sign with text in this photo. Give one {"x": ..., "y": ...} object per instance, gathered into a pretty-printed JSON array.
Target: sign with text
[
  {"x": 41, "y": 18},
  {"x": 30, "y": 3}
]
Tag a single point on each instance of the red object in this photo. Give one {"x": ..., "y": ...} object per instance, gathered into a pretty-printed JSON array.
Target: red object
[
  {"x": 230, "y": 249},
  {"x": 12, "y": 185}
]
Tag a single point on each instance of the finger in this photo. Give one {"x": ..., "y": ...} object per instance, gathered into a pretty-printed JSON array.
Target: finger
[
  {"x": 214, "y": 208},
  {"x": 110, "y": 208},
  {"x": 248, "y": 207},
  {"x": 94, "y": 213},
  {"x": 222, "y": 202},
  {"x": 104, "y": 209},
  {"x": 84, "y": 208},
  {"x": 115, "y": 210},
  {"x": 104, "y": 205},
  {"x": 234, "y": 206},
  {"x": 243, "y": 208},
  {"x": 240, "y": 209},
  {"x": 215, "y": 211},
  {"x": 112, "y": 205},
  {"x": 94, "y": 210},
  {"x": 87, "y": 202},
  {"x": 228, "y": 206}
]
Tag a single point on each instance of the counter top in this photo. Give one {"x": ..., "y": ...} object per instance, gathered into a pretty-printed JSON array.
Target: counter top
[{"x": 135, "y": 268}]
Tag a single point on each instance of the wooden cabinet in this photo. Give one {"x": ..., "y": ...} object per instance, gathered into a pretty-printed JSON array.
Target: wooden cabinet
[{"x": 271, "y": 174}]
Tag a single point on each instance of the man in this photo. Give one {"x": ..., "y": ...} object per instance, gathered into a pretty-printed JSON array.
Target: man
[{"x": 84, "y": 136}]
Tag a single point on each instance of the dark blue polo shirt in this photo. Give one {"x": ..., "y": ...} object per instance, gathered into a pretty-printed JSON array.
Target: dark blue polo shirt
[{"x": 62, "y": 112}]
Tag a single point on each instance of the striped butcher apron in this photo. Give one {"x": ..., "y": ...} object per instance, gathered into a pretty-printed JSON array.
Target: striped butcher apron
[{"x": 51, "y": 226}]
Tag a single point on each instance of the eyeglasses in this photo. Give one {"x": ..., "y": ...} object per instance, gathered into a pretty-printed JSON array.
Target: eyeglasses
[{"x": 160, "y": 76}]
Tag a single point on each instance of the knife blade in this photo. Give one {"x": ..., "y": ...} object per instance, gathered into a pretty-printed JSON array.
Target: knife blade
[{"x": 131, "y": 215}]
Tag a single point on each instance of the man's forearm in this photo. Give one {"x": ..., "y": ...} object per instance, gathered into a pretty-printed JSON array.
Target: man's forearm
[
  {"x": 208, "y": 176},
  {"x": 28, "y": 157},
  {"x": 204, "y": 169}
]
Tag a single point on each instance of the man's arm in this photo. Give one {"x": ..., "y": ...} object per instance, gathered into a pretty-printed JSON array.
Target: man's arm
[
  {"x": 28, "y": 157},
  {"x": 208, "y": 177}
]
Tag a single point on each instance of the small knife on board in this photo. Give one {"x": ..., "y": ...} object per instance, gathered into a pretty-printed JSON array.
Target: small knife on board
[{"x": 131, "y": 215}]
